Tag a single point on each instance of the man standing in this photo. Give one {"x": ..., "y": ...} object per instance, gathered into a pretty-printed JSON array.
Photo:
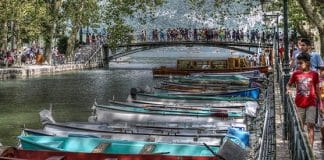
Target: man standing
[{"x": 305, "y": 46}]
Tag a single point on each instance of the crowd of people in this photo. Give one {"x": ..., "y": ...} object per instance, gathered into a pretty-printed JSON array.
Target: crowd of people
[
  {"x": 207, "y": 34},
  {"x": 35, "y": 54},
  {"x": 27, "y": 55}
]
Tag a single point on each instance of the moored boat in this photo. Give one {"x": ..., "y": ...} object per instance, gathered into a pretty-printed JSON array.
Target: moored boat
[
  {"x": 132, "y": 114},
  {"x": 189, "y": 98},
  {"x": 215, "y": 104},
  {"x": 11, "y": 153},
  {"x": 177, "y": 107},
  {"x": 190, "y": 66},
  {"x": 157, "y": 135},
  {"x": 251, "y": 92},
  {"x": 97, "y": 145},
  {"x": 168, "y": 85}
]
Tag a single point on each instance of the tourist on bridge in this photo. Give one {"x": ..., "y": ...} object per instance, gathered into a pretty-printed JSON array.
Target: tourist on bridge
[{"x": 307, "y": 93}]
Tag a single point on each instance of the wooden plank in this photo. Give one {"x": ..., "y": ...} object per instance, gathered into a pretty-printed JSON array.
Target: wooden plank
[
  {"x": 148, "y": 148},
  {"x": 101, "y": 147}
]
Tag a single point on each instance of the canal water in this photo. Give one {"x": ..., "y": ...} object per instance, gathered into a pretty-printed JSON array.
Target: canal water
[{"x": 72, "y": 94}]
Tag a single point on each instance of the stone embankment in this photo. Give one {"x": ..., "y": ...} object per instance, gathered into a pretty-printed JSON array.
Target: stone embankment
[{"x": 27, "y": 71}]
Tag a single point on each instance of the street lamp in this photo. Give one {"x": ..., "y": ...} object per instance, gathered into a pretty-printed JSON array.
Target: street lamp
[{"x": 285, "y": 66}]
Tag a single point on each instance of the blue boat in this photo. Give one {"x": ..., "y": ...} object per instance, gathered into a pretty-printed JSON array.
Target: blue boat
[
  {"x": 252, "y": 93},
  {"x": 98, "y": 145},
  {"x": 248, "y": 95}
]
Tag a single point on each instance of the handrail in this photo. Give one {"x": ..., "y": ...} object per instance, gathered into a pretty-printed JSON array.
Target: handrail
[
  {"x": 298, "y": 142},
  {"x": 267, "y": 146}
]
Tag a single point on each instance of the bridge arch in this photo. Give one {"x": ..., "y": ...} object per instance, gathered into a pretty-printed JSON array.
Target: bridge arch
[{"x": 142, "y": 46}]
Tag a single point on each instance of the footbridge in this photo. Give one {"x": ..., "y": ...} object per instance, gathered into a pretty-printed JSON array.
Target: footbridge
[{"x": 127, "y": 49}]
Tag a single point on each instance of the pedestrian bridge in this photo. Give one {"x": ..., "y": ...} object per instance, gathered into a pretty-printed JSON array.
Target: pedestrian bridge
[{"x": 127, "y": 49}]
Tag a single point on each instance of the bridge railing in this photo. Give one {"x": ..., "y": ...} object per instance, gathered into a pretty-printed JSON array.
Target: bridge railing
[{"x": 136, "y": 38}]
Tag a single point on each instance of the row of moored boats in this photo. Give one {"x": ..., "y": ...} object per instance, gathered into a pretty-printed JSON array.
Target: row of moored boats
[{"x": 196, "y": 117}]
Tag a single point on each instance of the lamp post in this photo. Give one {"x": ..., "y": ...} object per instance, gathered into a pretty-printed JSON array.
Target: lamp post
[{"x": 285, "y": 66}]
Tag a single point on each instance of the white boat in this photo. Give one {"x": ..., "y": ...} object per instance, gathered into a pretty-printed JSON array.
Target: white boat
[{"x": 131, "y": 114}]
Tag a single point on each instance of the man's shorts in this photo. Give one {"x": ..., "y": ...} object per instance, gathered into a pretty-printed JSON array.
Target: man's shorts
[{"x": 307, "y": 115}]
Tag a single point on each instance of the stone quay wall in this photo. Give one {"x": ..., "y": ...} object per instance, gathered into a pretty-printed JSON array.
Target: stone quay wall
[{"x": 37, "y": 70}]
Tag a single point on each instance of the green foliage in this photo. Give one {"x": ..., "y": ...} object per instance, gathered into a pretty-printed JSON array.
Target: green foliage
[
  {"x": 117, "y": 10},
  {"x": 119, "y": 34}
]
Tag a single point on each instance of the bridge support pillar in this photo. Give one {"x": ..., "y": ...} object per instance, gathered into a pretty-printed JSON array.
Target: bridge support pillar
[{"x": 106, "y": 53}]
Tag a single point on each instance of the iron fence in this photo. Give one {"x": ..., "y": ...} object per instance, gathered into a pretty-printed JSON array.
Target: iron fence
[{"x": 268, "y": 139}]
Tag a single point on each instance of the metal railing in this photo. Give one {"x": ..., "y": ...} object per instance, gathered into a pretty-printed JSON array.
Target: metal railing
[
  {"x": 298, "y": 142},
  {"x": 268, "y": 140}
]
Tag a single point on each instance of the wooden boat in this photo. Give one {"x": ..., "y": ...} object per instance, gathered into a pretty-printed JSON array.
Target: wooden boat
[
  {"x": 98, "y": 145},
  {"x": 176, "y": 107},
  {"x": 251, "y": 92},
  {"x": 132, "y": 114},
  {"x": 158, "y": 135},
  {"x": 11, "y": 153},
  {"x": 249, "y": 74},
  {"x": 188, "y": 98},
  {"x": 149, "y": 127},
  {"x": 216, "y": 104},
  {"x": 167, "y": 85},
  {"x": 211, "y": 81},
  {"x": 188, "y": 66}
]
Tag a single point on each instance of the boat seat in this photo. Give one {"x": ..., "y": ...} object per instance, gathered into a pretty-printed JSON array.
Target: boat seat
[
  {"x": 56, "y": 158},
  {"x": 101, "y": 147},
  {"x": 147, "y": 149}
]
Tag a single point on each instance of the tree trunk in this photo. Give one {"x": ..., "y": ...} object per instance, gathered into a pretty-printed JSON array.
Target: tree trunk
[
  {"x": 321, "y": 36},
  {"x": 4, "y": 37},
  {"x": 54, "y": 7},
  {"x": 49, "y": 43},
  {"x": 312, "y": 11},
  {"x": 72, "y": 39},
  {"x": 18, "y": 39},
  {"x": 305, "y": 33}
]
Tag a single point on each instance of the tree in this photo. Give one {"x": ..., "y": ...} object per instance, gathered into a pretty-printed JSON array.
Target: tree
[
  {"x": 78, "y": 13},
  {"x": 117, "y": 11},
  {"x": 53, "y": 8},
  {"x": 314, "y": 11}
]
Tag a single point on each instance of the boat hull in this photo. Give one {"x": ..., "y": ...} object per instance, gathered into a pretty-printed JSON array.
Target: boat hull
[
  {"x": 114, "y": 114},
  {"x": 12, "y": 153},
  {"x": 89, "y": 145},
  {"x": 164, "y": 72}
]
